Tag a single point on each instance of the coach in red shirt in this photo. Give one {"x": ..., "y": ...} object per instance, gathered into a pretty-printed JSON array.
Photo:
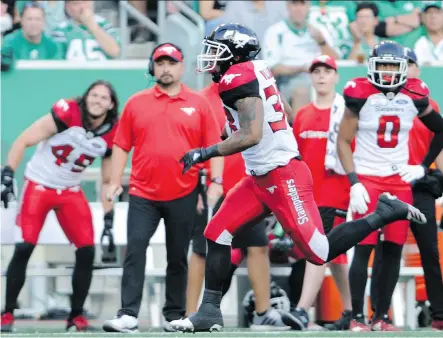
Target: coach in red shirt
[{"x": 161, "y": 124}]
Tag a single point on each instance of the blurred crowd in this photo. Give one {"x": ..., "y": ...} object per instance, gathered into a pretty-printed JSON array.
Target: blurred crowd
[{"x": 292, "y": 33}]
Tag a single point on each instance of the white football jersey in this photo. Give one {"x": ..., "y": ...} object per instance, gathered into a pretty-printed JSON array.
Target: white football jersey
[
  {"x": 385, "y": 119},
  {"x": 59, "y": 161},
  {"x": 277, "y": 146}
]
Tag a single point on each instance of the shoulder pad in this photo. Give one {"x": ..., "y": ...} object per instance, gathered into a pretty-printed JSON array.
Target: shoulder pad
[
  {"x": 416, "y": 89},
  {"x": 66, "y": 113},
  {"x": 359, "y": 88},
  {"x": 236, "y": 76}
]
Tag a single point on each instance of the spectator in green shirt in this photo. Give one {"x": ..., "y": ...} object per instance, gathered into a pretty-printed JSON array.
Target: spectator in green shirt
[
  {"x": 29, "y": 42},
  {"x": 366, "y": 20},
  {"x": 335, "y": 17},
  {"x": 54, "y": 12},
  {"x": 399, "y": 21},
  {"x": 86, "y": 36},
  {"x": 429, "y": 47}
]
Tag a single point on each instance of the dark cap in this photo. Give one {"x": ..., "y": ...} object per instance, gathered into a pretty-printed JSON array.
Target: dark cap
[{"x": 411, "y": 56}]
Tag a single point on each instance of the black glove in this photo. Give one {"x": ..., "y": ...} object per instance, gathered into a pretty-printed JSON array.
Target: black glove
[
  {"x": 432, "y": 183},
  {"x": 108, "y": 253},
  {"x": 284, "y": 244},
  {"x": 198, "y": 155},
  {"x": 7, "y": 185}
]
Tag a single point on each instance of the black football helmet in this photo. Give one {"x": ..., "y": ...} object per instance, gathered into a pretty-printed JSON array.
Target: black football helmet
[
  {"x": 388, "y": 52},
  {"x": 227, "y": 44}
]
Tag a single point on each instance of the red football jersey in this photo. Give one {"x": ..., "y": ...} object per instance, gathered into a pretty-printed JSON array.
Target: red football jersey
[{"x": 60, "y": 160}]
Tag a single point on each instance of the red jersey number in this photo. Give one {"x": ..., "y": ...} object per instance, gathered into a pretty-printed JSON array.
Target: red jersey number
[
  {"x": 278, "y": 108},
  {"x": 387, "y": 133},
  {"x": 62, "y": 152}
]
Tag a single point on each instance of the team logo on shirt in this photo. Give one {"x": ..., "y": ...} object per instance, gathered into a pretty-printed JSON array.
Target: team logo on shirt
[
  {"x": 62, "y": 104},
  {"x": 229, "y": 77},
  {"x": 350, "y": 84},
  {"x": 188, "y": 111}
]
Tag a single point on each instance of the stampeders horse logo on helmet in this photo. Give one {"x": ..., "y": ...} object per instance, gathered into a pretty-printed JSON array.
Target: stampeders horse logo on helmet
[{"x": 237, "y": 38}]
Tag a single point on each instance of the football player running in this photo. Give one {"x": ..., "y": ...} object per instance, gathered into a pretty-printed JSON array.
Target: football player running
[
  {"x": 69, "y": 139},
  {"x": 380, "y": 111},
  {"x": 278, "y": 180}
]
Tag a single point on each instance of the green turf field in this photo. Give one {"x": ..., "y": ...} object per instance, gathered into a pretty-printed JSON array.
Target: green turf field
[{"x": 53, "y": 329}]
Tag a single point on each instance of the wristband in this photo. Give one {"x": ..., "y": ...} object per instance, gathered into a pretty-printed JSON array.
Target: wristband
[{"x": 353, "y": 179}]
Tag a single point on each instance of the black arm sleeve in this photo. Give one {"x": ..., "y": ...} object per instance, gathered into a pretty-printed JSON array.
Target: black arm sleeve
[
  {"x": 380, "y": 30},
  {"x": 422, "y": 104},
  {"x": 434, "y": 122},
  {"x": 249, "y": 89},
  {"x": 61, "y": 126},
  {"x": 354, "y": 104},
  {"x": 108, "y": 153}
]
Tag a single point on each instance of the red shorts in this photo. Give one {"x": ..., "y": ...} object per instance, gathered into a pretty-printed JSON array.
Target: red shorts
[
  {"x": 396, "y": 232},
  {"x": 70, "y": 206},
  {"x": 287, "y": 192}
]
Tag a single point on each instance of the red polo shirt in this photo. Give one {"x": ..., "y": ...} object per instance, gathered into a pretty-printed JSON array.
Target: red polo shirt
[
  {"x": 161, "y": 129},
  {"x": 420, "y": 139},
  {"x": 234, "y": 167},
  {"x": 310, "y": 128}
]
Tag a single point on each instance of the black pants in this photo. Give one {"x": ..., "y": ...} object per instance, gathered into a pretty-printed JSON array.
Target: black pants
[
  {"x": 143, "y": 219},
  {"x": 426, "y": 238}
]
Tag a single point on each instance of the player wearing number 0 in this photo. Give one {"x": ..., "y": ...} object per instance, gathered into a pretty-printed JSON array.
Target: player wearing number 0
[
  {"x": 69, "y": 139},
  {"x": 380, "y": 111},
  {"x": 277, "y": 180}
]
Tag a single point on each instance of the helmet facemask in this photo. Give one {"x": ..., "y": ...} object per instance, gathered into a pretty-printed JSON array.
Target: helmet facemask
[
  {"x": 388, "y": 79},
  {"x": 212, "y": 53}
]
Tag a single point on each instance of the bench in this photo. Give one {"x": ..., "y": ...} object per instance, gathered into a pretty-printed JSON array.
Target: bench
[
  {"x": 52, "y": 235},
  {"x": 407, "y": 277},
  {"x": 153, "y": 276}
]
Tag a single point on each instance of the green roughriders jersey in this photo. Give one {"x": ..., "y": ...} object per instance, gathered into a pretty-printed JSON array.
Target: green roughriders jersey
[
  {"x": 78, "y": 44},
  {"x": 335, "y": 17}
]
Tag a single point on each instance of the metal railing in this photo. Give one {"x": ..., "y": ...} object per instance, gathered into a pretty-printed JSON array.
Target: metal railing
[
  {"x": 189, "y": 12},
  {"x": 126, "y": 10}
]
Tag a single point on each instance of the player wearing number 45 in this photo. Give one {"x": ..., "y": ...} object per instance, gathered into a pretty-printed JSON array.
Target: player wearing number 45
[
  {"x": 86, "y": 36},
  {"x": 69, "y": 139},
  {"x": 278, "y": 180},
  {"x": 380, "y": 111}
]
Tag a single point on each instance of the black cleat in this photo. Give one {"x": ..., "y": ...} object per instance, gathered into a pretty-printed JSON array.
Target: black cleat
[
  {"x": 341, "y": 324},
  {"x": 297, "y": 319},
  {"x": 391, "y": 209},
  {"x": 208, "y": 318}
]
